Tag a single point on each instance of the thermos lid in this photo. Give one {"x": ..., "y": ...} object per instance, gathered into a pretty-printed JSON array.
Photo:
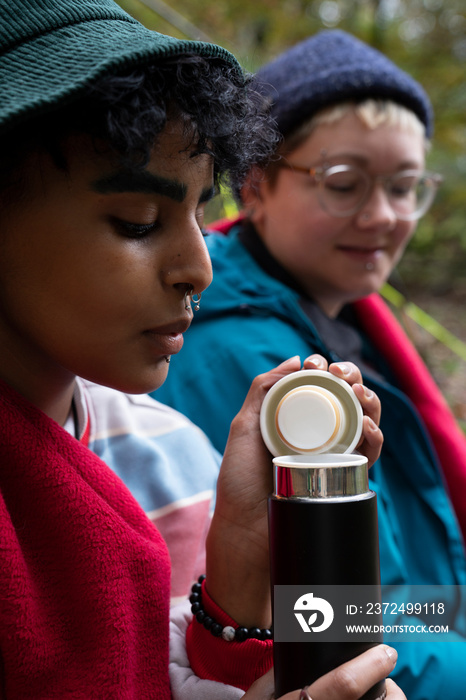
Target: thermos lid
[{"x": 311, "y": 412}]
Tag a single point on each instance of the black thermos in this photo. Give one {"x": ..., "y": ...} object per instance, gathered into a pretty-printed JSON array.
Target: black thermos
[{"x": 323, "y": 531}]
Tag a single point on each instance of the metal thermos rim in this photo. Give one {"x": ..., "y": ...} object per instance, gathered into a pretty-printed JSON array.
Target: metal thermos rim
[{"x": 323, "y": 477}]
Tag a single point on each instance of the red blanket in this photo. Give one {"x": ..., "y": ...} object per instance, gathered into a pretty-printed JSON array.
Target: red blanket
[
  {"x": 417, "y": 383},
  {"x": 84, "y": 575}
]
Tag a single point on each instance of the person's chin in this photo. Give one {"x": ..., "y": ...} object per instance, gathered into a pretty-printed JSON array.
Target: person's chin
[
  {"x": 372, "y": 286},
  {"x": 367, "y": 287},
  {"x": 158, "y": 378},
  {"x": 145, "y": 382}
]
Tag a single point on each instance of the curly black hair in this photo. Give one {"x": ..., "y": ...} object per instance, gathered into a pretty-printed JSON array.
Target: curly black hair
[{"x": 223, "y": 114}]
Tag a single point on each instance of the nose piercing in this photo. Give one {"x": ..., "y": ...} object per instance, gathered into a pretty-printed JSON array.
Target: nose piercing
[{"x": 189, "y": 297}]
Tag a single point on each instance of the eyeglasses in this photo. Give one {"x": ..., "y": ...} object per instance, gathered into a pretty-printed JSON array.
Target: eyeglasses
[{"x": 343, "y": 190}]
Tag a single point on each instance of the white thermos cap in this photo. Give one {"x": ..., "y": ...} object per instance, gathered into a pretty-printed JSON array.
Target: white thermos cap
[{"x": 311, "y": 412}]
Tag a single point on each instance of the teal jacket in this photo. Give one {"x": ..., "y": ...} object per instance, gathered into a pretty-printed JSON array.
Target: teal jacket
[{"x": 248, "y": 323}]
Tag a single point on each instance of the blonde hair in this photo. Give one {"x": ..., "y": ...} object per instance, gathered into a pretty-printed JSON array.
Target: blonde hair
[{"x": 372, "y": 113}]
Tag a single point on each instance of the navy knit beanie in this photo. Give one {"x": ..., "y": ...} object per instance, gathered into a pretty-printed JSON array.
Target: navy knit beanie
[
  {"x": 51, "y": 50},
  {"x": 333, "y": 67}
]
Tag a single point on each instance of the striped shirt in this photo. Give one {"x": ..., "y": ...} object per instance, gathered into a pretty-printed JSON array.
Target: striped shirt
[{"x": 166, "y": 462}]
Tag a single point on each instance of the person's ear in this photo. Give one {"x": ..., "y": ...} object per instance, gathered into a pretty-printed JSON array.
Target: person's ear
[{"x": 251, "y": 193}]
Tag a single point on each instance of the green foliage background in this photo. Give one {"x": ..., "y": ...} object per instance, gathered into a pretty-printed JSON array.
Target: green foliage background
[{"x": 425, "y": 37}]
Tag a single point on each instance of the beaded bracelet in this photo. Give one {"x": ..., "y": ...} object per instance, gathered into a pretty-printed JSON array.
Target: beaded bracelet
[{"x": 228, "y": 633}]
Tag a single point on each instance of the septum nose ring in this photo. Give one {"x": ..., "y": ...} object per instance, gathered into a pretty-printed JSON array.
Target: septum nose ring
[{"x": 189, "y": 297}]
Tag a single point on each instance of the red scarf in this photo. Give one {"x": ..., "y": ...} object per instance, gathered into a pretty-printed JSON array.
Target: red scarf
[{"x": 84, "y": 575}]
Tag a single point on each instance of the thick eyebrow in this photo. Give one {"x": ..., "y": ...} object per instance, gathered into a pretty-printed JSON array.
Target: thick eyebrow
[{"x": 139, "y": 181}]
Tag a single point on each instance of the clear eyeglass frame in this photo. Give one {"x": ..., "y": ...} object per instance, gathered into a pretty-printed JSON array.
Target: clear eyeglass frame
[{"x": 423, "y": 187}]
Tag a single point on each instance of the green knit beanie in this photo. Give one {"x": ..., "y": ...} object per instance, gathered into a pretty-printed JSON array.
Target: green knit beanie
[{"x": 51, "y": 50}]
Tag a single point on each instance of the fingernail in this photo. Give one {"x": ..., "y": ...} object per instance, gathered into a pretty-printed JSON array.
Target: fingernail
[
  {"x": 344, "y": 369},
  {"x": 371, "y": 424},
  {"x": 368, "y": 393},
  {"x": 392, "y": 654},
  {"x": 316, "y": 359}
]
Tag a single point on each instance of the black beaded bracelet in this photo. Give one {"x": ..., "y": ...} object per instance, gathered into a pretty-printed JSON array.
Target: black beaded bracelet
[{"x": 228, "y": 633}]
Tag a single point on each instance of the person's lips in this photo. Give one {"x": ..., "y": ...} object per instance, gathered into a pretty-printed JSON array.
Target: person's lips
[
  {"x": 168, "y": 339},
  {"x": 362, "y": 253}
]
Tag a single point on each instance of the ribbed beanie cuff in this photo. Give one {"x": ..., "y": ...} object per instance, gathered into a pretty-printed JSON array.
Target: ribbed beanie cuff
[{"x": 334, "y": 66}]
